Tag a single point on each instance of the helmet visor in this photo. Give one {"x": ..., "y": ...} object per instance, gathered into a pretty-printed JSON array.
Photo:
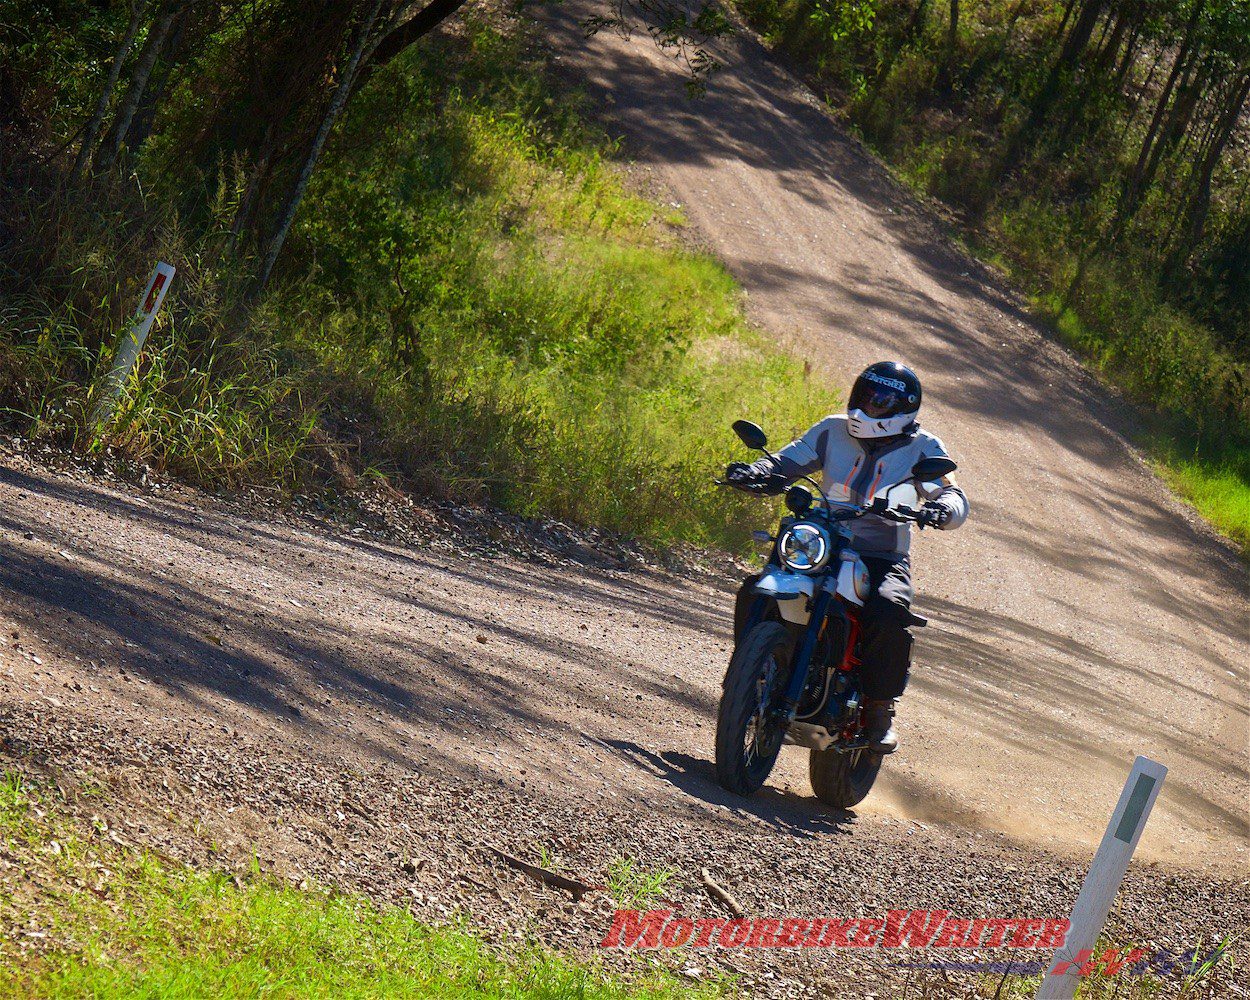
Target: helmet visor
[{"x": 878, "y": 400}]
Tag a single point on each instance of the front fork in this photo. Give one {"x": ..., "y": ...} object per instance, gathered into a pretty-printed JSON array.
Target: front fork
[{"x": 803, "y": 656}]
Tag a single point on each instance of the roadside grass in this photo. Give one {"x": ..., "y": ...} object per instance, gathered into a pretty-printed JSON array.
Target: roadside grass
[
  {"x": 471, "y": 303},
  {"x": 90, "y": 918},
  {"x": 634, "y": 886},
  {"x": 560, "y": 352},
  {"x": 1216, "y": 485},
  {"x": 1166, "y": 363}
]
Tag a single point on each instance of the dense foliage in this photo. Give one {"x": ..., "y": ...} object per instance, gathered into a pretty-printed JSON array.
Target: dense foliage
[
  {"x": 468, "y": 301},
  {"x": 1100, "y": 151}
]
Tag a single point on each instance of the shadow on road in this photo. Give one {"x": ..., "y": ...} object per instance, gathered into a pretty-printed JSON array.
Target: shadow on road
[{"x": 789, "y": 814}]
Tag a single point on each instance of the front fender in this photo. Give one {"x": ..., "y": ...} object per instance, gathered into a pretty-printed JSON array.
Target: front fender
[{"x": 782, "y": 585}]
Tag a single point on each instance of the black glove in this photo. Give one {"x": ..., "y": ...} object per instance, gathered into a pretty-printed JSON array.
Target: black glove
[
  {"x": 933, "y": 515},
  {"x": 750, "y": 479}
]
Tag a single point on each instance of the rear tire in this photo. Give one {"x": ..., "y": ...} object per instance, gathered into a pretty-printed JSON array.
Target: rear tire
[
  {"x": 758, "y": 670},
  {"x": 843, "y": 780}
]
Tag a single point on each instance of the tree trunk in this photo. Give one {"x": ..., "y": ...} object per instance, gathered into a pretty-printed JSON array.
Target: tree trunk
[
  {"x": 914, "y": 24},
  {"x": 113, "y": 142},
  {"x": 106, "y": 93},
  {"x": 1078, "y": 41},
  {"x": 1144, "y": 89},
  {"x": 1111, "y": 47},
  {"x": 1067, "y": 16},
  {"x": 1128, "y": 58},
  {"x": 172, "y": 55},
  {"x": 1102, "y": 38},
  {"x": 1073, "y": 47},
  {"x": 947, "y": 75},
  {"x": 1131, "y": 197},
  {"x": 1001, "y": 107},
  {"x": 1130, "y": 119},
  {"x": 1206, "y": 133},
  {"x": 1175, "y": 125},
  {"x": 257, "y": 180},
  {"x": 1200, "y": 204},
  {"x": 399, "y": 38},
  {"x": 337, "y": 103}
]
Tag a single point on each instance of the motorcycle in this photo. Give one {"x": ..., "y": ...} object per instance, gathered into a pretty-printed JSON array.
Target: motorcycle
[{"x": 793, "y": 678}]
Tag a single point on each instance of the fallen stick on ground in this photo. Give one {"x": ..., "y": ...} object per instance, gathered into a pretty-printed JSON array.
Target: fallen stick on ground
[
  {"x": 719, "y": 892},
  {"x": 474, "y": 882},
  {"x": 578, "y": 889}
]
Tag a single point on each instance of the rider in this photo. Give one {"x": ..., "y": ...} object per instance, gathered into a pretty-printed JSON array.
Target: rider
[{"x": 874, "y": 446}]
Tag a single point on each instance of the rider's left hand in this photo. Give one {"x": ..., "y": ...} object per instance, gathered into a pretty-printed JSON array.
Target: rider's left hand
[{"x": 933, "y": 515}]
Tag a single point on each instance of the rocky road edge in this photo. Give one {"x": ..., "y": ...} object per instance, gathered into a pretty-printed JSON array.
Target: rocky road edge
[{"x": 429, "y": 844}]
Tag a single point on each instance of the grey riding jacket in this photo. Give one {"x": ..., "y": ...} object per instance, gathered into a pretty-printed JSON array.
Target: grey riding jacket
[{"x": 856, "y": 469}]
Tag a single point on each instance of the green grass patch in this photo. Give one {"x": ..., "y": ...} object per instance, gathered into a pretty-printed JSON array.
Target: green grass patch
[
  {"x": 560, "y": 352},
  {"x": 93, "y": 919},
  {"x": 1216, "y": 483},
  {"x": 634, "y": 886}
]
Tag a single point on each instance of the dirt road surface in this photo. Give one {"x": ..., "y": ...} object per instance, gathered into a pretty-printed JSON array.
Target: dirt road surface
[
  {"x": 1082, "y": 617},
  {"x": 374, "y": 705}
]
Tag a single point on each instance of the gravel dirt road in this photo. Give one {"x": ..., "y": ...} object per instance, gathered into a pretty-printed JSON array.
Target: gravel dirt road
[
  {"x": 369, "y": 705},
  {"x": 1085, "y": 615},
  {"x": 372, "y": 704}
]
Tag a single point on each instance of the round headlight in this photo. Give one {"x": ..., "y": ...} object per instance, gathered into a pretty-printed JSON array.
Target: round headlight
[{"x": 804, "y": 547}]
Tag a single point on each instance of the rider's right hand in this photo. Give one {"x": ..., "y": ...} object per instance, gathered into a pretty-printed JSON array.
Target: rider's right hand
[
  {"x": 738, "y": 474},
  {"x": 751, "y": 479}
]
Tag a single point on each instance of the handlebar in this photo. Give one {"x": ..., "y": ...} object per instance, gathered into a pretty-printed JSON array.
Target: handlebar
[
  {"x": 759, "y": 488},
  {"x": 847, "y": 512},
  {"x": 899, "y": 513}
]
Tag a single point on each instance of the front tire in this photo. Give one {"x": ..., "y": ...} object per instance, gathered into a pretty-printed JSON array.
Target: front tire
[
  {"x": 747, "y": 740},
  {"x": 843, "y": 780}
]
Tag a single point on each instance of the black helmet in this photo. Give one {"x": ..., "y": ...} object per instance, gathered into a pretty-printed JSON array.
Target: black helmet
[{"x": 884, "y": 401}]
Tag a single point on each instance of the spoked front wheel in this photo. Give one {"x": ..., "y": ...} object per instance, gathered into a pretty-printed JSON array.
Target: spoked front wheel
[
  {"x": 748, "y": 737},
  {"x": 843, "y": 779}
]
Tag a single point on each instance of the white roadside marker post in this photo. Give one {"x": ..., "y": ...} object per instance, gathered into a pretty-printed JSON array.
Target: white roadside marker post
[
  {"x": 1106, "y": 872},
  {"x": 131, "y": 342}
]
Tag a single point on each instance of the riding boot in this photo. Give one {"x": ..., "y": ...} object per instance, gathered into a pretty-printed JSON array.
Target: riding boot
[{"x": 879, "y": 726}]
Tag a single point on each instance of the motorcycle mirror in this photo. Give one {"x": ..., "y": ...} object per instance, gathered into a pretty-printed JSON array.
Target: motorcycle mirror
[
  {"x": 798, "y": 498},
  {"x": 929, "y": 469},
  {"x": 751, "y": 435}
]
